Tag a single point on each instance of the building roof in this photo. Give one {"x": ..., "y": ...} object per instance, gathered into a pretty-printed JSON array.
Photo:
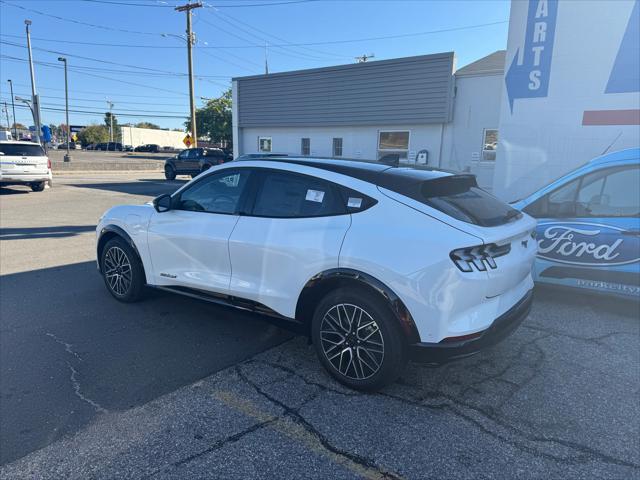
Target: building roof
[{"x": 490, "y": 65}]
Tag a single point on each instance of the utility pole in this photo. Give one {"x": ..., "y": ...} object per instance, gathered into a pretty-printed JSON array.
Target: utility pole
[
  {"x": 6, "y": 110},
  {"x": 34, "y": 96},
  {"x": 110, "y": 121},
  {"x": 67, "y": 157},
  {"x": 13, "y": 107},
  {"x": 190, "y": 42},
  {"x": 266, "y": 58}
]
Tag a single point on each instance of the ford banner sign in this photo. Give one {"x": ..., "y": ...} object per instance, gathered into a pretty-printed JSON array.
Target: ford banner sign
[{"x": 587, "y": 244}]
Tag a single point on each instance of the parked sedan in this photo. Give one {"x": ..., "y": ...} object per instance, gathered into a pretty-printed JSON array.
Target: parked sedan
[
  {"x": 377, "y": 264},
  {"x": 589, "y": 226}
]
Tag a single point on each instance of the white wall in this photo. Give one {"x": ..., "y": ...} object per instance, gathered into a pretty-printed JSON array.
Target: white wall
[
  {"x": 544, "y": 137},
  {"x": 141, "y": 136},
  {"x": 357, "y": 142},
  {"x": 476, "y": 107}
]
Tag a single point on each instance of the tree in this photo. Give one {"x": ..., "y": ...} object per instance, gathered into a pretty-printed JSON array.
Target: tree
[
  {"x": 147, "y": 125},
  {"x": 116, "y": 127},
  {"x": 213, "y": 121},
  {"x": 94, "y": 134}
]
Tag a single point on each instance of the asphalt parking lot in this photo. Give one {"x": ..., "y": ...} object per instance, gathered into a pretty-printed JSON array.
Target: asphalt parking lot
[{"x": 175, "y": 388}]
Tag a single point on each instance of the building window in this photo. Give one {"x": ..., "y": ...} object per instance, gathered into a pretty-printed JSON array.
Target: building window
[
  {"x": 337, "y": 147},
  {"x": 264, "y": 144},
  {"x": 305, "y": 146},
  {"x": 393, "y": 145},
  {"x": 489, "y": 144}
]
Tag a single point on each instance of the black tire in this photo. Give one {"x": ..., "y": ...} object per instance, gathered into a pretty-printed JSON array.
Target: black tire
[
  {"x": 169, "y": 172},
  {"x": 369, "y": 375},
  {"x": 125, "y": 288},
  {"x": 205, "y": 167},
  {"x": 37, "y": 186}
]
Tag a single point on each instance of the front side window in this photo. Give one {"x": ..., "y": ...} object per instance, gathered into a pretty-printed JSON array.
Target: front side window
[
  {"x": 337, "y": 147},
  {"x": 393, "y": 145},
  {"x": 264, "y": 144},
  {"x": 290, "y": 195},
  {"x": 218, "y": 193},
  {"x": 305, "y": 146},
  {"x": 610, "y": 193},
  {"x": 489, "y": 144}
]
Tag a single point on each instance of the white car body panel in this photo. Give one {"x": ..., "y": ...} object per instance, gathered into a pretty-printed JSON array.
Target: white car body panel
[
  {"x": 399, "y": 241},
  {"x": 274, "y": 257}
]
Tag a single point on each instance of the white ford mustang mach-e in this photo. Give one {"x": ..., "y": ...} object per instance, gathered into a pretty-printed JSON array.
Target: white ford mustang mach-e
[{"x": 377, "y": 264}]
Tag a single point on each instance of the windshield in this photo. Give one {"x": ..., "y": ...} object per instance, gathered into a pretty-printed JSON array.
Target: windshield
[{"x": 22, "y": 150}]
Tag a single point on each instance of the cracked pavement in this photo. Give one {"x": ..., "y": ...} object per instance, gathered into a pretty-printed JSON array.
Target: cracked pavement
[
  {"x": 552, "y": 401},
  {"x": 557, "y": 399}
]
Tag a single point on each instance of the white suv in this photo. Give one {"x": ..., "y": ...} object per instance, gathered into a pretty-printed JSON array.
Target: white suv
[
  {"x": 377, "y": 264},
  {"x": 24, "y": 163}
]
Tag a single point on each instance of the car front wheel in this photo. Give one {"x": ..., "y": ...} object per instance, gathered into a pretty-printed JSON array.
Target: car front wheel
[
  {"x": 358, "y": 339},
  {"x": 169, "y": 172},
  {"x": 122, "y": 271},
  {"x": 38, "y": 186}
]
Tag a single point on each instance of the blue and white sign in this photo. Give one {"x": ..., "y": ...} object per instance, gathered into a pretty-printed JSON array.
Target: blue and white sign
[
  {"x": 528, "y": 77},
  {"x": 587, "y": 244}
]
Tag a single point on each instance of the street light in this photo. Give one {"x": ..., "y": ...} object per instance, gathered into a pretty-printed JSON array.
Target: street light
[
  {"x": 33, "y": 114},
  {"x": 67, "y": 157}
]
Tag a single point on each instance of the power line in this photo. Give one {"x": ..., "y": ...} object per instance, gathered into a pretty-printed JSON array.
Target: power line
[
  {"x": 77, "y": 22},
  {"x": 120, "y": 109},
  {"x": 131, "y": 4},
  {"x": 116, "y": 114},
  {"x": 99, "y": 60},
  {"x": 95, "y": 93},
  {"x": 299, "y": 44},
  {"x": 91, "y": 100}
]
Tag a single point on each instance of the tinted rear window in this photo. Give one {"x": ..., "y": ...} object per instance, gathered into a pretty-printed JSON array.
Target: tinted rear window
[
  {"x": 460, "y": 197},
  {"x": 22, "y": 150}
]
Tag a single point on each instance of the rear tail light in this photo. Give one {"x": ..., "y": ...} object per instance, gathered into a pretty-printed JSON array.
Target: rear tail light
[
  {"x": 479, "y": 256},
  {"x": 48, "y": 163}
]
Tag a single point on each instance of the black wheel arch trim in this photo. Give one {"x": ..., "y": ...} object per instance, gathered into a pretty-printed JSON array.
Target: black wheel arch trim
[
  {"x": 399, "y": 309},
  {"x": 120, "y": 232}
]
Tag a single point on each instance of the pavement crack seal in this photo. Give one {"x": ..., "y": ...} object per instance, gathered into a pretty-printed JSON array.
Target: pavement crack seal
[
  {"x": 464, "y": 409},
  {"x": 296, "y": 427},
  {"x": 75, "y": 383}
]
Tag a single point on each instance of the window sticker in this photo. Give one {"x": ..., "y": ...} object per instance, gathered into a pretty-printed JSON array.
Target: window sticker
[
  {"x": 354, "y": 202},
  {"x": 315, "y": 196}
]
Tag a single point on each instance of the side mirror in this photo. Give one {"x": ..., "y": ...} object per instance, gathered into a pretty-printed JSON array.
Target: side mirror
[{"x": 162, "y": 203}]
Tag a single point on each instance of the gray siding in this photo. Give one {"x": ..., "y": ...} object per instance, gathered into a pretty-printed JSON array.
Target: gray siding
[{"x": 413, "y": 90}]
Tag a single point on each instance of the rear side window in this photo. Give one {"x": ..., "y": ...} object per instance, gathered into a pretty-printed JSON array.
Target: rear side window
[
  {"x": 290, "y": 195},
  {"x": 22, "y": 150},
  {"x": 460, "y": 197}
]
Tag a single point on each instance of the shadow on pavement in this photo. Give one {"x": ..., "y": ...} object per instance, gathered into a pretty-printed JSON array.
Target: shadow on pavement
[
  {"x": 44, "y": 232},
  {"x": 69, "y": 351},
  {"x": 15, "y": 190}
]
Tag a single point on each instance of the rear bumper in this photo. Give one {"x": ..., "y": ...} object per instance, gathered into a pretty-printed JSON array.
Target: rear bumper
[
  {"x": 17, "y": 179},
  {"x": 501, "y": 328}
]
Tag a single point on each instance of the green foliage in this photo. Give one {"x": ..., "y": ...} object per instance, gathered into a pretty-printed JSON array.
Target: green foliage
[
  {"x": 213, "y": 121},
  {"x": 94, "y": 134},
  {"x": 147, "y": 125}
]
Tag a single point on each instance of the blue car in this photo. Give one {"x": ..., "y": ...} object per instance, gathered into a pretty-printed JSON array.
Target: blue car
[{"x": 589, "y": 226}]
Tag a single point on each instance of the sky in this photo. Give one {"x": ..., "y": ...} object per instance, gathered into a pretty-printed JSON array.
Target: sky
[{"x": 131, "y": 52}]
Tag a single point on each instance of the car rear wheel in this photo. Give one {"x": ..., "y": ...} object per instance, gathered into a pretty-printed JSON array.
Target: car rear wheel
[
  {"x": 122, "y": 271},
  {"x": 358, "y": 339},
  {"x": 169, "y": 172},
  {"x": 37, "y": 186},
  {"x": 205, "y": 167}
]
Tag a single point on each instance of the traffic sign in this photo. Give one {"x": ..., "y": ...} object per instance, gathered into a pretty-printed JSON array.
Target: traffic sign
[{"x": 188, "y": 140}]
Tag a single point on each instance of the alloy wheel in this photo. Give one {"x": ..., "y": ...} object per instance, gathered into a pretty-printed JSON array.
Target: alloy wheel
[
  {"x": 352, "y": 341},
  {"x": 117, "y": 270}
]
